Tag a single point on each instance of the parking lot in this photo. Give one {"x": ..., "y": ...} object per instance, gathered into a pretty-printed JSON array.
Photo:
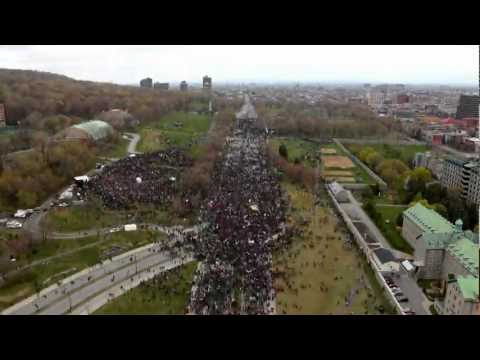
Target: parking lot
[{"x": 407, "y": 292}]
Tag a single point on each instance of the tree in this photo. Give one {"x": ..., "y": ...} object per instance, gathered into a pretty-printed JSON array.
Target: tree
[
  {"x": 435, "y": 193},
  {"x": 283, "y": 151},
  {"x": 399, "y": 221}
]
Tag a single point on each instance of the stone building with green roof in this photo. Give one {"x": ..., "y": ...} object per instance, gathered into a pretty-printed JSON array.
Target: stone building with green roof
[
  {"x": 462, "y": 296},
  {"x": 441, "y": 248}
]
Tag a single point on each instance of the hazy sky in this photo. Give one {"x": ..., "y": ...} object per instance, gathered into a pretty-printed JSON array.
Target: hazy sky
[{"x": 127, "y": 64}]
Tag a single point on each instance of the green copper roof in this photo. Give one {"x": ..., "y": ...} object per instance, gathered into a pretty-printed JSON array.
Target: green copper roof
[
  {"x": 97, "y": 129},
  {"x": 428, "y": 220},
  {"x": 468, "y": 286},
  {"x": 466, "y": 252}
]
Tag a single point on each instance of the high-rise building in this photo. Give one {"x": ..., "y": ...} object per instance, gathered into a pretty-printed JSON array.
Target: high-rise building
[
  {"x": 161, "y": 86},
  {"x": 468, "y": 106},
  {"x": 146, "y": 83},
  {"x": 207, "y": 83},
  {"x": 183, "y": 86},
  {"x": 463, "y": 176},
  {"x": 3, "y": 116}
]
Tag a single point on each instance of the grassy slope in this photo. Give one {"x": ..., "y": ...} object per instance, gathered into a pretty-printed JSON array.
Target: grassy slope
[
  {"x": 394, "y": 236},
  {"x": 148, "y": 298},
  {"x": 324, "y": 248},
  {"x": 154, "y": 136}
]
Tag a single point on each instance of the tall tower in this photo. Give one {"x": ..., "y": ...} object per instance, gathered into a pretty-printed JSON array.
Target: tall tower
[
  {"x": 207, "y": 83},
  {"x": 3, "y": 116},
  {"x": 183, "y": 86}
]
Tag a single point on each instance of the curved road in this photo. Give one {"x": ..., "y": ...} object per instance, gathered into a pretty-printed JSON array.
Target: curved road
[{"x": 81, "y": 287}]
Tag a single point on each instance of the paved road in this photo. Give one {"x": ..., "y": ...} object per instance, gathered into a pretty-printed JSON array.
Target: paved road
[
  {"x": 418, "y": 302},
  {"x": 132, "y": 146},
  {"x": 93, "y": 303},
  {"x": 72, "y": 291},
  {"x": 153, "y": 227}
]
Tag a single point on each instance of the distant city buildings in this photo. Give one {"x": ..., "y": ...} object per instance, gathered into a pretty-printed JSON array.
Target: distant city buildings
[
  {"x": 463, "y": 176},
  {"x": 3, "y": 116},
  {"x": 468, "y": 107},
  {"x": 146, "y": 83},
  {"x": 161, "y": 86},
  {"x": 183, "y": 86}
]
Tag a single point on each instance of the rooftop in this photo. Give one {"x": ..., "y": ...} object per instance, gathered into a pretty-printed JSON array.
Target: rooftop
[
  {"x": 428, "y": 220},
  {"x": 384, "y": 255},
  {"x": 466, "y": 252},
  {"x": 468, "y": 286},
  {"x": 97, "y": 129}
]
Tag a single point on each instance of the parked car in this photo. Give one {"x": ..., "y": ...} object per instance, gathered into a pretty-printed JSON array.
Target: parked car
[
  {"x": 14, "y": 224},
  {"x": 402, "y": 299}
]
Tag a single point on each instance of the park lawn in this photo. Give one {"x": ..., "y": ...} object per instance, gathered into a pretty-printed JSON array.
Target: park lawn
[
  {"x": 148, "y": 298},
  {"x": 117, "y": 151},
  {"x": 45, "y": 274},
  {"x": 314, "y": 261},
  {"x": 390, "y": 231},
  {"x": 164, "y": 133},
  {"x": 405, "y": 153},
  {"x": 297, "y": 148},
  {"x": 77, "y": 218}
]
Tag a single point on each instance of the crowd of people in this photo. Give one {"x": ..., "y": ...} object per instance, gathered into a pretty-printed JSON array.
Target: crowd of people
[
  {"x": 141, "y": 179},
  {"x": 244, "y": 213}
]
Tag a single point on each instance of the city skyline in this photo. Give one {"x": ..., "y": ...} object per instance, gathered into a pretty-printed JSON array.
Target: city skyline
[{"x": 455, "y": 65}]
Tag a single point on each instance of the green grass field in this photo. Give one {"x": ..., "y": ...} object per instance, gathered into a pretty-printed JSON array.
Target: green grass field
[
  {"x": 116, "y": 151},
  {"x": 320, "y": 269},
  {"x": 77, "y": 218},
  {"x": 390, "y": 231},
  {"x": 27, "y": 282},
  {"x": 406, "y": 153},
  {"x": 159, "y": 296},
  {"x": 297, "y": 148},
  {"x": 165, "y": 132}
]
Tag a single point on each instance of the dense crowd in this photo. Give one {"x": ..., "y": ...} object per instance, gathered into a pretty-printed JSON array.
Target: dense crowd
[
  {"x": 244, "y": 213},
  {"x": 146, "y": 179}
]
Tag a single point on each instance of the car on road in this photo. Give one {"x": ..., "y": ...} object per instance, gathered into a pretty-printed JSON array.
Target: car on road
[
  {"x": 63, "y": 204},
  {"x": 401, "y": 298},
  {"x": 116, "y": 229},
  {"x": 14, "y": 224}
]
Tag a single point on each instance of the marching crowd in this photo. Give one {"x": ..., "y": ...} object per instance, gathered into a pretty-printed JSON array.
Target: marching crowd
[
  {"x": 148, "y": 178},
  {"x": 244, "y": 210}
]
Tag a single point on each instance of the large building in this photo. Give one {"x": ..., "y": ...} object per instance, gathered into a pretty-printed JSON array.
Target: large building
[
  {"x": 441, "y": 248},
  {"x": 3, "y": 116},
  {"x": 468, "y": 106},
  {"x": 161, "y": 86},
  {"x": 183, "y": 86},
  {"x": 463, "y": 176},
  {"x": 91, "y": 131},
  {"x": 462, "y": 297},
  {"x": 146, "y": 83},
  {"x": 207, "y": 83}
]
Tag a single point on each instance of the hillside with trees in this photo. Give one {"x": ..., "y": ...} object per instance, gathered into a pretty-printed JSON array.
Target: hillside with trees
[
  {"x": 34, "y": 95},
  {"x": 323, "y": 119}
]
